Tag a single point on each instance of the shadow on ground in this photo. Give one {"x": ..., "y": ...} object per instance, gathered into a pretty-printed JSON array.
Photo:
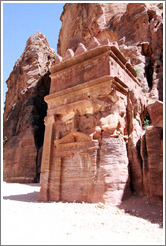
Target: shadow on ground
[
  {"x": 21, "y": 195},
  {"x": 33, "y": 184},
  {"x": 143, "y": 208},
  {"x": 29, "y": 197}
]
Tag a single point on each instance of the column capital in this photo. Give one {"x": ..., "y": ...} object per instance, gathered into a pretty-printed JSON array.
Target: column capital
[{"x": 49, "y": 120}]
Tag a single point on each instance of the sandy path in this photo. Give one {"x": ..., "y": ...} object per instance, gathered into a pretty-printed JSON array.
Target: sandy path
[{"x": 27, "y": 222}]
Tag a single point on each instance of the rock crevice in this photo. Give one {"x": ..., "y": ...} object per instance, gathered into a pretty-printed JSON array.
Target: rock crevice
[
  {"x": 25, "y": 110},
  {"x": 88, "y": 105}
]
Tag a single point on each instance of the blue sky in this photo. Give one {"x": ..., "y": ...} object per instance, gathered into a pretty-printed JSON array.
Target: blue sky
[{"x": 20, "y": 21}]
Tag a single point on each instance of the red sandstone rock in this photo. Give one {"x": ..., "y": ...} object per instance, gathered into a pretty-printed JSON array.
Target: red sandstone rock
[
  {"x": 135, "y": 115},
  {"x": 25, "y": 109},
  {"x": 28, "y": 69},
  {"x": 152, "y": 155},
  {"x": 152, "y": 152},
  {"x": 84, "y": 152},
  {"x": 137, "y": 27},
  {"x": 19, "y": 158},
  {"x": 91, "y": 117},
  {"x": 155, "y": 111}
]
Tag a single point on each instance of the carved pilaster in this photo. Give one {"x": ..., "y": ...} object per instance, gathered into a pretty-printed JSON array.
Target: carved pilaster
[{"x": 46, "y": 157}]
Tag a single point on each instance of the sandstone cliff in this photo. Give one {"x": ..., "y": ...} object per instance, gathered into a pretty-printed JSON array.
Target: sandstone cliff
[
  {"x": 137, "y": 27},
  {"x": 25, "y": 109},
  {"x": 138, "y": 30}
]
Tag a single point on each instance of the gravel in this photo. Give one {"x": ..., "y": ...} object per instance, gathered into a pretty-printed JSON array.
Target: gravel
[{"x": 27, "y": 222}]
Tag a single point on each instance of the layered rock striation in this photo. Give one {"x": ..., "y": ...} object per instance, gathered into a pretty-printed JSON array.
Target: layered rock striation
[
  {"x": 137, "y": 27},
  {"x": 25, "y": 110},
  {"x": 138, "y": 30},
  {"x": 152, "y": 152},
  {"x": 104, "y": 126},
  {"x": 84, "y": 152}
]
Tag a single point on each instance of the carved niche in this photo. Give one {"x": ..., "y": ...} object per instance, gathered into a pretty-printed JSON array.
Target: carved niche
[{"x": 77, "y": 152}]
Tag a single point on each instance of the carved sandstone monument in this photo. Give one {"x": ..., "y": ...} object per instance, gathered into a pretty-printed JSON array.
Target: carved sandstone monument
[
  {"x": 95, "y": 99},
  {"x": 84, "y": 153},
  {"x": 137, "y": 27}
]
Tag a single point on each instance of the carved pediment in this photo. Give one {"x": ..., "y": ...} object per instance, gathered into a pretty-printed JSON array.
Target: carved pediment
[
  {"x": 74, "y": 141},
  {"x": 73, "y": 137}
]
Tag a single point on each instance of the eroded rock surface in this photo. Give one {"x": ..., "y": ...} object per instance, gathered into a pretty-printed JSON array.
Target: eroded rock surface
[
  {"x": 152, "y": 152},
  {"x": 84, "y": 152},
  {"x": 25, "y": 109},
  {"x": 138, "y": 30},
  {"x": 155, "y": 111},
  {"x": 137, "y": 27},
  {"x": 107, "y": 77},
  {"x": 152, "y": 155}
]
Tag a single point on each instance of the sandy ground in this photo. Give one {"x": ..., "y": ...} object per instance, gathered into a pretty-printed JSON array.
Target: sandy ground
[{"x": 25, "y": 221}]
